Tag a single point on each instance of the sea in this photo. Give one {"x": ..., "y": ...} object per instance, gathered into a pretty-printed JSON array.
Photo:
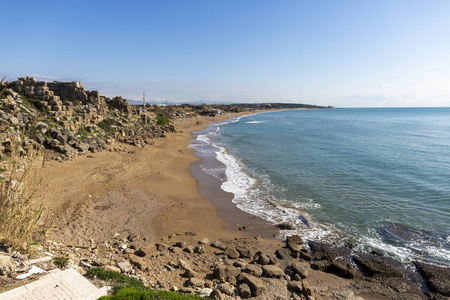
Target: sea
[{"x": 374, "y": 178}]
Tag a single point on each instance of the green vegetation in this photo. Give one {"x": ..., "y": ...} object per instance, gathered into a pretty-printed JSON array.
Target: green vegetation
[
  {"x": 107, "y": 125},
  {"x": 162, "y": 120},
  {"x": 61, "y": 262},
  {"x": 126, "y": 287}
]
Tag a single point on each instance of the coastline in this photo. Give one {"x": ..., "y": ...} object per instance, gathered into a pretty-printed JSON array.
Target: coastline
[{"x": 151, "y": 192}]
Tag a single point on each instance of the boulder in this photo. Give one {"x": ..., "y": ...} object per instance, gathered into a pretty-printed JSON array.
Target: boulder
[
  {"x": 285, "y": 226},
  {"x": 195, "y": 282},
  {"x": 244, "y": 252},
  {"x": 295, "y": 286},
  {"x": 216, "y": 295},
  {"x": 283, "y": 253},
  {"x": 6, "y": 265},
  {"x": 162, "y": 247},
  {"x": 301, "y": 269},
  {"x": 263, "y": 259},
  {"x": 218, "y": 245},
  {"x": 203, "y": 241},
  {"x": 272, "y": 271},
  {"x": 379, "y": 267},
  {"x": 436, "y": 278},
  {"x": 125, "y": 266},
  {"x": 295, "y": 239},
  {"x": 253, "y": 270},
  {"x": 226, "y": 272},
  {"x": 256, "y": 285},
  {"x": 226, "y": 289},
  {"x": 231, "y": 253},
  {"x": 339, "y": 268},
  {"x": 245, "y": 291}
]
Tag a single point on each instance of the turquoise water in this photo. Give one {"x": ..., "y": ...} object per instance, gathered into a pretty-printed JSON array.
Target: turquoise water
[{"x": 377, "y": 178}]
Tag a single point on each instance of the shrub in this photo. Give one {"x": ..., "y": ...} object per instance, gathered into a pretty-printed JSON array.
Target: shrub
[
  {"x": 162, "y": 120},
  {"x": 126, "y": 287},
  {"x": 106, "y": 125}
]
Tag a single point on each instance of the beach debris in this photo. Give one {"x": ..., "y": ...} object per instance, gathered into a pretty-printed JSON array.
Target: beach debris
[{"x": 33, "y": 270}]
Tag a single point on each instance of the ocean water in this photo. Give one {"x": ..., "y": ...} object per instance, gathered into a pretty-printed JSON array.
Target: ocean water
[{"x": 376, "y": 178}]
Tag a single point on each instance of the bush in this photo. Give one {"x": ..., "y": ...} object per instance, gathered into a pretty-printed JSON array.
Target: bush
[
  {"x": 126, "y": 287},
  {"x": 106, "y": 125},
  {"x": 162, "y": 120}
]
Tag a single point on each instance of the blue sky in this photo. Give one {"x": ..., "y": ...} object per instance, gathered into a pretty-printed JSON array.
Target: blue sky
[{"x": 341, "y": 53}]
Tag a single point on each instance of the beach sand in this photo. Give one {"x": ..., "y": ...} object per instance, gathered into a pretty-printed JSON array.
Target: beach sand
[{"x": 148, "y": 191}]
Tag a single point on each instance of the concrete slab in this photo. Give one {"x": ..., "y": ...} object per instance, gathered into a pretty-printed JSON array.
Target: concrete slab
[{"x": 57, "y": 285}]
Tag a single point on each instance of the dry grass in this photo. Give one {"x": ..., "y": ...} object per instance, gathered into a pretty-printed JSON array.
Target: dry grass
[{"x": 20, "y": 217}]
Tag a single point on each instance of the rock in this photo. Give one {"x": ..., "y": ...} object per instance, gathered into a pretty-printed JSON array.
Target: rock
[
  {"x": 14, "y": 121},
  {"x": 301, "y": 269},
  {"x": 191, "y": 274},
  {"x": 125, "y": 266},
  {"x": 177, "y": 250},
  {"x": 320, "y": 265},
  {"x": 379, "y": 267},
  {"x": 205, "y": 292},
  {"x": 295, "y": 286},
  {"x": 231, "y": 253},
  {"x": 305, "y": 256},
  {"x": 184, "y": 264},
  {"x": 245, "y": 291},
  {"x": 338, "y": 268},
  {"x": 218, "y": 245},
  {"x": 203, "y": 241},
  {"x": 352, "y": 273},
  {"x": 284, "y": 263},
  {"x": 181, "y": 244},
  {"x": 216, "y": 295},
  {"x": 162, "y": 247},
  {"x": 191, "y": 233},
  {"x": 294, "y": 247},
  {"x": 285, "y": 226},
  {"x": 140, "y": 253},
  {"x": 272, "y": 271},
  {"x": 226, "y": 272},
  {"x": 307, "y": 290},
  {"x": 253, "y": 270},
  {"x": 263, "y": 259},
  {"x": 133, "y": 237},
  {"x": 325, "y": 251},
  {"x": 226, "y": 289},
  {"x": 6, "y": 265},
  {"x": 256, "y": 285},
  {"x": 113, "y": 269},
  {"x": 139, "y": 263},
  {"x": 240, "y": 264},
  {"x": 294, "y": 239},
  {"x": 436, "y": 278},
  {"x": 195, "y": 282},
  {"x": 282, "y": 254},
  {"x": 244, "y": 252},
  {"x": 189, "y": 249},
  {"x": 199, "y": 249}
]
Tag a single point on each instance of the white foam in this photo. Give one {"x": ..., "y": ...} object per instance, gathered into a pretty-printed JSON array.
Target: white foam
[{"x": 255, "y": 122}]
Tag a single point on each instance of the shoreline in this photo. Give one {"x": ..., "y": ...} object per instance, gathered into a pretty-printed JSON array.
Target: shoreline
[{"x": 151, "y": 192}]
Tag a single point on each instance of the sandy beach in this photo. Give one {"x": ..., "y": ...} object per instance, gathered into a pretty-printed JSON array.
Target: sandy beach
[{"x": 148, "y": 191}]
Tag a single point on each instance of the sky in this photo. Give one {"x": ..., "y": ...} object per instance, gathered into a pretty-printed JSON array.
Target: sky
[{"x": 378, "y": 53}]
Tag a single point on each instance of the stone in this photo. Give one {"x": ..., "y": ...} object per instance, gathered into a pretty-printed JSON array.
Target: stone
[
  {"x": 139, "y": 263},
  {"x": 216, "y": 295},
  {"x": 272, "y": 271},
  {"x": 305, "y": 256},
  {"x": 320, "y": 265},
  {"x": 113, "y": 269},
  {"x": 226, "y": 272},
  {"x": 226, "y": 289},
  {"x": 285, "y": 226},
  {"x": 263, "y": 259},
  {"x": 352, "y": 273},
  {"x": 218, "y": 245},
  {"x": 253, "y": 270},
  {"x": 295, "y": 286},
  {"x": 181, "y": 244},
  {"x": 14, "y": 121},
  {"x": 436, "y": 278},
  {"x": 6, "y": 265},
  {"x": 231, "y": 253},
  {"x": 191, "y": 233},
  {"x": 294, "y": 247},
  {"x": 379, "y": 267},
  {"x": 256, "y": 285},
  {"x": 307, "y": 290},
  {"x": 240, "y": 264},
  {"x": 244, "y": 252},
  {"x": 162, "y": 247},
  {"x": 177, "y": 250},
  {"x": 190, "y": 273},
  {"x": 301, "y": 269},
  {"x": 282, "y": 254},
  {"x": 189, "y": 249},
  {"x": 245, "y": 291},
  {"x": 125, "y": 266},
  {"x": 199, "y": 249},
  {"x": 133, "y": 237},
  {"x": 140, "y": 253},
  {"x": 338, "y": 268},
  {"x": 203, "y": 241},
  {"x": 195, "y": 282}
]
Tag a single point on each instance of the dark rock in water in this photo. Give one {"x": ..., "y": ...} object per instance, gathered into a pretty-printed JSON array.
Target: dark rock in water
[
  {"x": 285, "y": 226},
  {"x": 328, "y": 252},
  {"x": 379, "y": 267},
  {"x": 295, "y": 239},
  {"x": 436, "y": 278}
]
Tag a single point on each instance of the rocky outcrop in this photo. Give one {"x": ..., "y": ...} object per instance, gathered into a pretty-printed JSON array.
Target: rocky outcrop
[{"x": 70, "y": 120}]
